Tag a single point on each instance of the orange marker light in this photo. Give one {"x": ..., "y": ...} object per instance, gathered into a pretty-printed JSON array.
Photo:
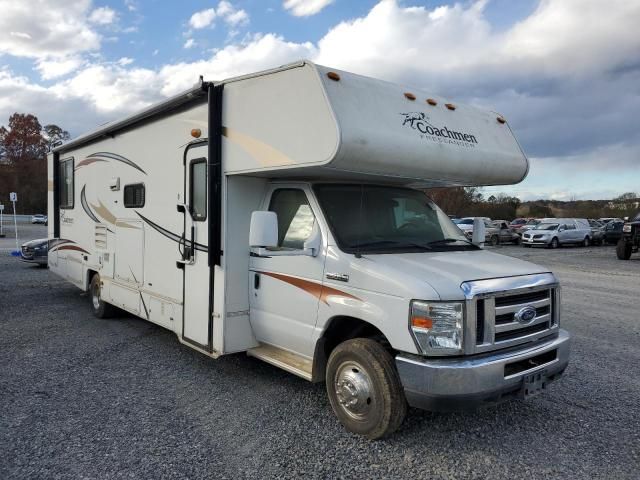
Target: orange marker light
[
  {"x": 450, "y": 106},
  {"x": 196, "y": 132},
  {"x": 333, "y": 76},
  {"x": 421, "y": 322},
  {"x": 432, "y": 102},
  {"x": 410, "y": 96}
]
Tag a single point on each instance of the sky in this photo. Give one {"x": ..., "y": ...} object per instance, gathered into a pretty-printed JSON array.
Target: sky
[{"x": 565, "y": 73}]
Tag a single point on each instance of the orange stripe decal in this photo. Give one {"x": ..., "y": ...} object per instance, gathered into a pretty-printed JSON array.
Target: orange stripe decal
[{"x": 321, "y": 292}]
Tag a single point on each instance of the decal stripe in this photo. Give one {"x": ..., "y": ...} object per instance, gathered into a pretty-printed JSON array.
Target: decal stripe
[
  {"x": 168, "y": 234},
  {"x": 105, "y": 157},
  {"x": 85, "y": 205},
  {"x": 321, "y": 292},
  {"x": 71, "y": 247}
]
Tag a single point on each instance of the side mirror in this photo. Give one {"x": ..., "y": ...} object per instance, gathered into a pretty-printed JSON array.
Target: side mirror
[
  {"x": 479, "y": 232},
  {"x": 263, "y": 231}
]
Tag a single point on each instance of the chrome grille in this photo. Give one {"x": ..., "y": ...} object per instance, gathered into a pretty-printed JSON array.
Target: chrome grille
[{"x": 493, "y": 307}]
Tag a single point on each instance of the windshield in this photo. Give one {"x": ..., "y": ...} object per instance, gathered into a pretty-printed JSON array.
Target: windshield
[
  {"x": 466, "y": 221},
  {"x": 372, "y": 218},
  {"x": 546, "y": 226}
]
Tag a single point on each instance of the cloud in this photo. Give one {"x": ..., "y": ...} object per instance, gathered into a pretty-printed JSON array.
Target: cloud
[
  {"x": 57, "y": 67},
  {"x": 203, "y": 18},
  {"x": 190, "y": 43},
  {"x": 61, "y": 28},
  {"x": 125, "y": 61},
  {"x": 103, "y": 16},
  {"x": 305, "y": 8}
]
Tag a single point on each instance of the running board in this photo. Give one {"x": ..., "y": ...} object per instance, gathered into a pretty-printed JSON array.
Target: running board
[{"x": 291, "y": 362}]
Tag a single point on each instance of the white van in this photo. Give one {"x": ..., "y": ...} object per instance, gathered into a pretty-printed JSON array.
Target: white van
[
  {"x": 554, "y": 232},
  {"x": 280, "y": 214}
]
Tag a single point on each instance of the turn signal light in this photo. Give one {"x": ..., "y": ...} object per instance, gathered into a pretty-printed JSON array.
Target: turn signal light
[{"x": 421, "y": 322}]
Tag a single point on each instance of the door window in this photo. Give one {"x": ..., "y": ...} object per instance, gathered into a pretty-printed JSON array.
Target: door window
[
  {"x": 198, "y": 189},
  {"x": 66, "y": 176},
  {"x": 295, "y": 217}
]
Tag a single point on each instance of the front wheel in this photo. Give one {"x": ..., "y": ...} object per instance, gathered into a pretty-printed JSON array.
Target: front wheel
[
  {"x": 494, "y": 240},
  {"x": 586, "y": 242},
  {"x": 100, "y": 308},
  {"x": 623, "y": 250},
  {"x": 554, "y": 243},
  {"x": 364, "y": 388}
]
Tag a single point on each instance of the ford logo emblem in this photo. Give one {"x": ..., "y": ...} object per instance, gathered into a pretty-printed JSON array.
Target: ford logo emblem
[{"x": 525, "y": 314}]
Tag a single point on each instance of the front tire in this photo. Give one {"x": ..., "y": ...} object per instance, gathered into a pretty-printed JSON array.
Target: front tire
[
  {"x": 586, "y": 242},
  {"x": 623, "y": 250},
  {"x": 494, "y": 240},
  {"x": 554, "y": 243},
  {"x": 364, "y": 388},
  {"x": 100, "y": 308}
]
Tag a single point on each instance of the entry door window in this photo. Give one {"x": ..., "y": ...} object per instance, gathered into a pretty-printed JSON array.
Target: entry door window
[
  {"x": 295, "y": 217},
  {"x": 198, "y": 189}
]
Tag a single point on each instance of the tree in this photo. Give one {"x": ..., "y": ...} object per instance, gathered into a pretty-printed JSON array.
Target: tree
[{"x": 54, "y": 135}]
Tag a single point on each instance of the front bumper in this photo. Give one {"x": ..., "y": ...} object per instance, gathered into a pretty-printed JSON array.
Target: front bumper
[
  {"x": 446, "y": 384},
  {"x": 537, "y": 241}
]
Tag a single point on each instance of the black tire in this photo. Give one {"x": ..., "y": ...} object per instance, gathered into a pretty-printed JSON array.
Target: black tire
[
  {"x": 517, "y": 241},
  {"x": 623, "y": 250},
  {"x": 362, "y": 371},
  {"x": 586, "y": 242},
  {"x": 100, "y": 308},
  {"x": 554, "y": 243},
  {"x": 494, "y": 240}
]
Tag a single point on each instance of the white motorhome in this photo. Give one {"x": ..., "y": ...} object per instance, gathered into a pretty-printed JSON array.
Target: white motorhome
[{"x": 279, "y": 214}]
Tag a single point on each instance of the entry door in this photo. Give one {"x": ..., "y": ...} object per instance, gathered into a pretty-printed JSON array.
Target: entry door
[
  {"x": 285, "y": 290},
  {"x": 196, "y": 326}
]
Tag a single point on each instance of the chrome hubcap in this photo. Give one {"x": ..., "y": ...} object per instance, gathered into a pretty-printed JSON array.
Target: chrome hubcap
[
  {"x": 353, "y": 389},
  {"x": 95, "y": 297}
]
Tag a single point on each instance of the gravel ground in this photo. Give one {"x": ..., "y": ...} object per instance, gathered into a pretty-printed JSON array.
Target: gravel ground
[{"x": 121, "y": 398}]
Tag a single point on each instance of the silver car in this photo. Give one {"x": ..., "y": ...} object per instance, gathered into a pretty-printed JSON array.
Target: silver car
[{"x": 553, "y": 232}]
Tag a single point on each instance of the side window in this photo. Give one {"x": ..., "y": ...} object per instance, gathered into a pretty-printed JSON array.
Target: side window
[
  {"x": 134, "y": 195},
  {"x": 295, "y": 218},
  {"x": 570, "y": 226},
  {"x": 66, "y": 176},
  {"x": 198, "y": 189}
]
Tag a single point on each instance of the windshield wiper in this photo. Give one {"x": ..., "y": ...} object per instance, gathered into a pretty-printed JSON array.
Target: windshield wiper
[{"x": 451, "y": 240}]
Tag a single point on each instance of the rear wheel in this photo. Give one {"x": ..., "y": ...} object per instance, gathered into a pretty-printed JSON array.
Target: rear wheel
[
  {"x": 516, "y": 241},
  {"x": 586, "y": 242},
  {"x": 494, "y": 240},
  {"x": 364, "y": 388},
  {"x": 554, "y": 243},
  {"x": 623, "y": 250},
  {"x": 100, "y": 308}
]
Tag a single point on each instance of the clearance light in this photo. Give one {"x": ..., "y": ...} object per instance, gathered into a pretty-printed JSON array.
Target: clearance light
[
  {"x": 500, "y": 120},
  {"x": 196, "y": 132},
  {"x": 450, "y": 106},
  {"x": 432, "y": 102},
  {"x": 333, "y": 76},
  {"x": 410, "y": 96}
]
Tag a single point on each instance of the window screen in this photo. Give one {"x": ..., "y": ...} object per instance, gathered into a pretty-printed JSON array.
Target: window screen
[
  {"x": 134, "y": 195},
  {"x": 66, "y": 183},
  {"x": 198, "y": 190},
  {"x": 295, "y": 218}
]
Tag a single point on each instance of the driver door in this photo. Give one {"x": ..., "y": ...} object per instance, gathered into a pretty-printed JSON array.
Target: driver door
[{"x": 285, "y": 290}]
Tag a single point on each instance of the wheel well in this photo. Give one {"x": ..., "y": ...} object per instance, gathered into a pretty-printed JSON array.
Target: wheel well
[
  {"x": 342, "y": 328},
  {"x": 90, "y": 274}
]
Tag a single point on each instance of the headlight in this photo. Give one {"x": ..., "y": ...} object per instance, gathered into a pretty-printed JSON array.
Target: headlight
[
  {"x": 437, "y": 327},
  {"x": 626, "y": 229}
]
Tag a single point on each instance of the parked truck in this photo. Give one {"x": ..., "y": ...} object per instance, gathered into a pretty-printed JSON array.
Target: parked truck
[
  {"x": 282, "y": 214},
  {"x": 630, "y": 239}
]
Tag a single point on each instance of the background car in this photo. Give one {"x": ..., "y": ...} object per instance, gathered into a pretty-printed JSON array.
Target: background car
[
  {"x": 39, "y": 218},
  {"x": 492, "y": 234},
  {"x": 597, "y": 231},
  {"x": 553, "y": 232},
  {"x": 506, "y": 234},
  {"x": 606, "y": 220},
  {"x": 613, "y": 231},
  {"x": 35, "y": 251},
  {"x": 521, "y": 228}
]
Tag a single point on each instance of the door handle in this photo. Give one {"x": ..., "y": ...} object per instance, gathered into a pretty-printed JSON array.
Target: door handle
[{"x": 256, "y": 281}]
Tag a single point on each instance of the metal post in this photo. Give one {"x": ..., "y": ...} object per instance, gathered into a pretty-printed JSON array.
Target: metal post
[
  {"x": 15, "y": 225},
  {"x": 1, "y": 211}
]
